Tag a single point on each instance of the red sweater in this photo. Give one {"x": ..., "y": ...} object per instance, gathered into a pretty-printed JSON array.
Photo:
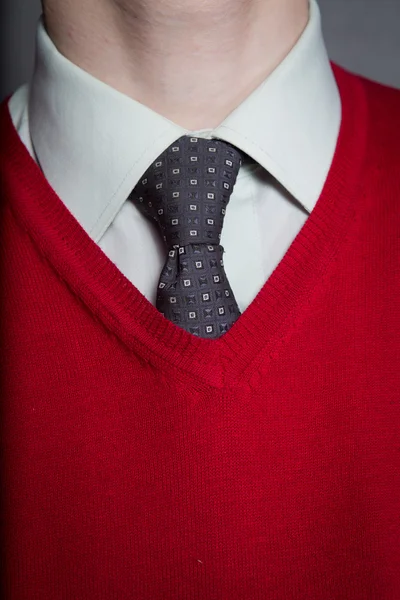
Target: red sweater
[{"x": 141, "y": 462}]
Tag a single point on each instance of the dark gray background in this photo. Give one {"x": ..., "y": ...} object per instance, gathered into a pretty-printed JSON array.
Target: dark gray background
[{"x": 362, "y": 35}]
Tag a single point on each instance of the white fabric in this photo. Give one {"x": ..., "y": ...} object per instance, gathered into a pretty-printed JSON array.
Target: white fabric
[{"x": 94, "y": 143}]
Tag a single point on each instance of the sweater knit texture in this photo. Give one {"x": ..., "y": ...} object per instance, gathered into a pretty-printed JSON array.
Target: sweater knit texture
[{"x": 140, "y": 462}]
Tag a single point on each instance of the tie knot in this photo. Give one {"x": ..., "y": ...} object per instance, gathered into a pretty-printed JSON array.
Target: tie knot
[{"x": 187, "y": 188}]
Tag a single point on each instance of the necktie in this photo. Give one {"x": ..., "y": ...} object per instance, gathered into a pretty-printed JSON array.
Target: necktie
[{"x": 186, "y": 191}]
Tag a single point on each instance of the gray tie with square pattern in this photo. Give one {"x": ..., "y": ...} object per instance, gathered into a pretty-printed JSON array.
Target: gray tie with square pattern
[{"x": 186, "y": 191}]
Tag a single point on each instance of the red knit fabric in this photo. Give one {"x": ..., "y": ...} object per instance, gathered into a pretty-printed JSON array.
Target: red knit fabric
[{"x": 143, "y": 463}]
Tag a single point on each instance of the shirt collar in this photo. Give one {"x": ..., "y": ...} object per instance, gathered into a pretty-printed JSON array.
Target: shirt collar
[{"x": 94, "y": 143}]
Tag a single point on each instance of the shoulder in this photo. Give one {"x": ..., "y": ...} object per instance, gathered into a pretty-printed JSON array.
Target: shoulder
[
  {"x": 381, "y": 173},
  {"x": 380, "y": 107},
  {"x": 383, "y": 114},
  {"x": 382, "y": 97},
  {"x": 376, "y": 118}
]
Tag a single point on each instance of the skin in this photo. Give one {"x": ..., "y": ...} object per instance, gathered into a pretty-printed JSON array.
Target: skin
[{"x": 193, "y": 61}]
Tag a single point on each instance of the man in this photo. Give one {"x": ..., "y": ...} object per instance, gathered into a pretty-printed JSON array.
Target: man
[{"x": 200, "y": 261}]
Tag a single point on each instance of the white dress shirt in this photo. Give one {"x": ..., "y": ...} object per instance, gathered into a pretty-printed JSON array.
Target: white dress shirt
[{"x": 93, "y": 143}]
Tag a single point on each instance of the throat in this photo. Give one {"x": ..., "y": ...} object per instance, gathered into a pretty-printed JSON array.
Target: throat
[{"x": 192, "y": 62}]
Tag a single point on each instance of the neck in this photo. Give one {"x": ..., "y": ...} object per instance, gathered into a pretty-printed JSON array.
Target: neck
[{"x": 191, "y": 61}]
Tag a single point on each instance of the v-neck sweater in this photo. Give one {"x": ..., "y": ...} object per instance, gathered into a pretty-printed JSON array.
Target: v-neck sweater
[{"x": 142, "y": 462}]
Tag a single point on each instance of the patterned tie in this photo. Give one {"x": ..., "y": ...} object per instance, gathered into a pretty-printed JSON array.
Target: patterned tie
[{"x": 186, "y": 191}]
